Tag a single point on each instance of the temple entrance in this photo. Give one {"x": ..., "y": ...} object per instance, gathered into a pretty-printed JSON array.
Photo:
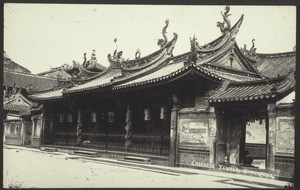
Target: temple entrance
[{"x": 242, "y": 137}]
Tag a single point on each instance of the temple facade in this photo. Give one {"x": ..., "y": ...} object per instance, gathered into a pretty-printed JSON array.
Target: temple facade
[{"x": 217, "y": 107}]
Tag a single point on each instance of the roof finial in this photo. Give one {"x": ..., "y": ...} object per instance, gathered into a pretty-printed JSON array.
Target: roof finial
[
  {"x": 137, "y": 54},
  {"x": 93, "y": 56},
  {"x": 162, "y": 42},
  {"x": 224, "y": 29},
  {"x": 193, "y": 55}
]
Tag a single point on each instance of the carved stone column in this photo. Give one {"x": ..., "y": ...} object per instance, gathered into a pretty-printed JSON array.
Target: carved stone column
[
  {"x": 79, "y": 127},
  {"x": 173, "y": 129},
  {"x": 271, "y": 136},
  {"x": 128, "y": 127},
  {"x": 212, "y": 134}
]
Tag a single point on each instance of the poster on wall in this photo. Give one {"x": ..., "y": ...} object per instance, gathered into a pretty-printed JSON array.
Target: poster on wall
[{"x": 194, "y": 133}]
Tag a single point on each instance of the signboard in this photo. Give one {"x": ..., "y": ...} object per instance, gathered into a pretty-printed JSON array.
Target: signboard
[
  {"x": 194, "y": 133},
  {"x": 236, "y": 170}
]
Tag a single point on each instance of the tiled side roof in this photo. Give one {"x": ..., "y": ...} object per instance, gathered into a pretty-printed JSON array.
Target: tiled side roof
[
  {"x": 56, "y": 94},
  {"x": 16, "y": 107},
  {"x": 245, "y": 91},
  {"x": 158, "y": 75},
  {"x": 10, "y": 65},
  {"x": 22, "y": 80},
  {"x": 17, "y": 103},
  {"x": 272, "y": 65},
  {"x": 101, "y": 81},
  {"x": 172, "y": 70}
]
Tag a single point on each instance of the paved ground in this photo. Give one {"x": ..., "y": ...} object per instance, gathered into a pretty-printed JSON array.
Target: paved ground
[{"x": 27, "y": 168}]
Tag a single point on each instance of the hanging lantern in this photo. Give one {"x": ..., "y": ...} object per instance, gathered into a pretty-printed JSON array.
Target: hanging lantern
[
  {"x": 147, "y": 113},
  {"x": 93, "y": 117},
  {"x": 61, "y": 117},
  {"x": 103, "y": 116},
  {"x": 163, "y": 113},
  {"x": 111, "y": 117},
  {"x": 70, "y": 118}
]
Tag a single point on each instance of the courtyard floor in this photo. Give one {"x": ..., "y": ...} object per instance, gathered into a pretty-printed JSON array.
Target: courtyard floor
[{"x": 32, "y": 168}]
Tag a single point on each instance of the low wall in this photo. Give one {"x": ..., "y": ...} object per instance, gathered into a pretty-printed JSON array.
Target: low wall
[{"x": 13, "y": 140}]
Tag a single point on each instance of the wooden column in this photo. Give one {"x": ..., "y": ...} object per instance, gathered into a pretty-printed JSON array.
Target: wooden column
[
  {"x": 212, "y": 135},
  {"x": 79, "y": 127},
  {"x": 271, "y": 136},
  {"x": 173, "y": 130}
]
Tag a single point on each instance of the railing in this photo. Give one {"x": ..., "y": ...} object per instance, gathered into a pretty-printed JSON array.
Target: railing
[
  {"x": 140, "y": 143},
  {"x": 257, "y": 151}
]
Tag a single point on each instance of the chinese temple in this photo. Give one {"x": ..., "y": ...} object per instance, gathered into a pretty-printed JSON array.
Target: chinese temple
[{"x": 218, "y": 106}]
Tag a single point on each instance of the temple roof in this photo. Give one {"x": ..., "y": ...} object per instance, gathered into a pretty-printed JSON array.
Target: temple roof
[
  {"x": 51, "y": 94},
  {"x": 247, "y": 91},
  {"x": 18, "y": 103},
  {"x": 272, "y": 65},
  {"x": 23, "y": 80},
  {"x": 10, "y": 65},
  {"x": 242, "y": 74}
]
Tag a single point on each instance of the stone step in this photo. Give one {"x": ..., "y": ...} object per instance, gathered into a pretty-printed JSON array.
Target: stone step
[
  {"x": 49, "y": 149},
  {"x": 83, "y": 152},
  {"x": 137, "y": 159}
]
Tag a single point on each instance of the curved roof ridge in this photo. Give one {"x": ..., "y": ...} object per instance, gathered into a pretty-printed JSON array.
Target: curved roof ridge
[
  {"x": 223, "y": 39},
  {"x": 275, "y": 55},
  {"x": 262, "y": 81},
  {"x": 143, "y": 62},
  {"x": 29, "y": 74}
]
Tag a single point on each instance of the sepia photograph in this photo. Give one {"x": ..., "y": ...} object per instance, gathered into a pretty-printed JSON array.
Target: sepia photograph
[{"x": 149, "y": 96}]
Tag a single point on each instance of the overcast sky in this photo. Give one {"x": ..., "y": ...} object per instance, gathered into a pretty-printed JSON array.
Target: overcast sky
[{"x": 41, "y": 36}]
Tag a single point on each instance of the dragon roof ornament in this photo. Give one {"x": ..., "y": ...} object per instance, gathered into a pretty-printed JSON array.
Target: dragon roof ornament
[
  {"x": 224, "y": 29},
  {"x": 250, "y": 53},
  {"x": 162, "y": 42}
]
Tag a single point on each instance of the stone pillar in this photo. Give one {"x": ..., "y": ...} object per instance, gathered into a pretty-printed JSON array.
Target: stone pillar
[
  {"x": 79, "y": 127},
  {"x": 43, "y": 122},
  {"x": 173, "y": 130},
  {"x": 212, "y": 135},
  {"x": 33, "y": 120},
  {"x": 128, "y": 127},
  {"x": 271, "y": 136},
  {"x": 22, "y": 131}
]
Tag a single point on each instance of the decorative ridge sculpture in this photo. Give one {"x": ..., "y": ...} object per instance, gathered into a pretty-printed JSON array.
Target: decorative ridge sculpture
[
  {"x": 137, "y": 54},
  {"x": 224, "y": 29},
  {"x": 250, "y": 53},
  {"x": 163, "y": 42}
]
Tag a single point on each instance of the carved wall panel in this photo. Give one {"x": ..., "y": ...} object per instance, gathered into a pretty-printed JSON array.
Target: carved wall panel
[
  {"x": 194, "y": 132},
  {"x": 285, "y": 135}
]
